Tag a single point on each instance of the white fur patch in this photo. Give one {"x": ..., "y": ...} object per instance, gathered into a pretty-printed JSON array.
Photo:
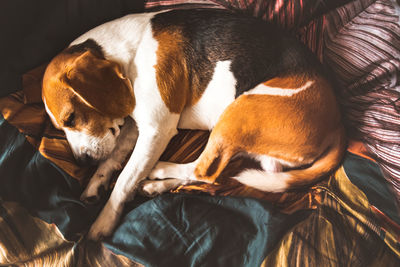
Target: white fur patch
[
  {"x": 219, "y": 93},
  {"x": 165, "y": 170},
  {"x": 270, "y": 179},
  {"x": 264, "y": 181},
  {"x": 156, "y": 124},
  {"x": 150, "y": 107},
  {"x": 120, "y": 38},
  {"x": 96, "y": 147},
  {"x": 262, "y": 89}
]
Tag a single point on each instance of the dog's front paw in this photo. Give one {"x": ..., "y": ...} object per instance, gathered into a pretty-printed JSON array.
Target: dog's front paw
[
  {"x": 96, "y": 188},
  {"x": 104, "y": 224},
  {"x": 100, "y": 182}
]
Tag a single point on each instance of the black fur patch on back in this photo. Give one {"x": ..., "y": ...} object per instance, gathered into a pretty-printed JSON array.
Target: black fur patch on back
[
  {"x": 87, "y": 45},
  {"x": 258, "y": 51}
]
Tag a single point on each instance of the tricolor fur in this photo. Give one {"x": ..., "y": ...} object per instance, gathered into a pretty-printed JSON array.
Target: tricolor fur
[{"x": 261, "y": 92}]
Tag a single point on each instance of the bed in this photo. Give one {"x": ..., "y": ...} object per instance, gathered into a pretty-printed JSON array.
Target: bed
[{"x": 351, "y": 218}]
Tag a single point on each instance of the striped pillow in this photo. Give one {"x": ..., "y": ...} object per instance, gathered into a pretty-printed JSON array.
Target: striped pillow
[
  {"x": 360, "y": 42},
  {"x": 154, "y": 5}
]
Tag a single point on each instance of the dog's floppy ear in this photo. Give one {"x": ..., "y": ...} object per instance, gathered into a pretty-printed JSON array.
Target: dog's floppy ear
[{"x": 100, "y": 84}]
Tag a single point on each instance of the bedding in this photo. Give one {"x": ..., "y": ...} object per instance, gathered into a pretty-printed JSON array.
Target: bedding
[{"x": 351, "y": 218}]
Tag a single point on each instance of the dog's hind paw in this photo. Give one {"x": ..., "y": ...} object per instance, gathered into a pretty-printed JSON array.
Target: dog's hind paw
[
  {"x": 153, "y": 188},
  {"x": 165, "y": 170}
]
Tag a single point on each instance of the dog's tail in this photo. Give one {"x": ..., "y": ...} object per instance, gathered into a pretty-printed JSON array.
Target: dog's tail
[{"x": 282, "y": 181}]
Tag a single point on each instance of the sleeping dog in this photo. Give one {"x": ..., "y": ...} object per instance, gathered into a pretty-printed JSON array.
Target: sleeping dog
[{"x": 262, "y": 94}]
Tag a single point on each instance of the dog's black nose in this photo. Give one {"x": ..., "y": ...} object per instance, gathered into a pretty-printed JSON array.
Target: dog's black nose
[{"x": 85, "y": 160}]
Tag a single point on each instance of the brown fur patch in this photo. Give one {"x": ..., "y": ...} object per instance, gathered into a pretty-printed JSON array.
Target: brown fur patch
[
  {"x": 282, "y": 123},
  {"x": 97, "y": 81},
  {"x": 100, "y": 83},
  {"x": 288, "y": 82},
  {"x": 294, "y": 129},
  {"x": 179, "y": 83},
  {"x": 63, "y": 102},
  {"x": 171, "y": 70}
]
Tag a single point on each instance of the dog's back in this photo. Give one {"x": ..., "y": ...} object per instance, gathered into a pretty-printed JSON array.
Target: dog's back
[{"x": 258, "y": 51}]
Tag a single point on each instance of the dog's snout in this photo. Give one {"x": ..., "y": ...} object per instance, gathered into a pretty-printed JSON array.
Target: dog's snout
[{"x": 85, "y": 160}]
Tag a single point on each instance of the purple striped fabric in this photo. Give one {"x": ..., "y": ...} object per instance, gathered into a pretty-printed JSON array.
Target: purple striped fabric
[
  {"x": 152, "y": 5},
  {"x": 360, "y": 42},
  {"x": 287, "y": 13}
]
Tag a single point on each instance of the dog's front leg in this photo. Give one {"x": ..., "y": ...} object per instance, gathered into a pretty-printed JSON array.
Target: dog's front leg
[
  {"x": 101, "y": 179},
  {"x": 151, "y": 142}
]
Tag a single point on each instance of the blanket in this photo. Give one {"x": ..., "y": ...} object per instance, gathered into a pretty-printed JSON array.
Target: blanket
[{"x": 350, "y": 218}]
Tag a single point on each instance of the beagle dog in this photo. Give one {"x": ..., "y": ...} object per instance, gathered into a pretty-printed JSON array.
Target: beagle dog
[{"x": 262, "y": 94}]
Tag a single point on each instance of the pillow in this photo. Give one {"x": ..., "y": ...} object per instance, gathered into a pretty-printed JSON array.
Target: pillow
[
  {"x": 360, "y": 42},
  {"x": 285, "y": 13}
]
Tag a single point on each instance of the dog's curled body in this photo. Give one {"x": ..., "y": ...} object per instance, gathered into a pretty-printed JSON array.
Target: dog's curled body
[{"x": 262, "y": 94}]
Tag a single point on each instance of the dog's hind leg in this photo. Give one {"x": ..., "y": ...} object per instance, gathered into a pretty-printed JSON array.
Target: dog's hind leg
[
  {"x": 164, "y": 170},
  {"x": 166, "y": 176},
  {"x": 152, "y": 188}
]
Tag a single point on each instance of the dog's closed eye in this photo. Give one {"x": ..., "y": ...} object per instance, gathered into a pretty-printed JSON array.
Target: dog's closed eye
[{"x": 70, "y": 121}]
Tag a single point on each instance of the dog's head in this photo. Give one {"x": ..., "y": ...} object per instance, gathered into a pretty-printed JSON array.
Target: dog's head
[{"x": 88, "y": 98}]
